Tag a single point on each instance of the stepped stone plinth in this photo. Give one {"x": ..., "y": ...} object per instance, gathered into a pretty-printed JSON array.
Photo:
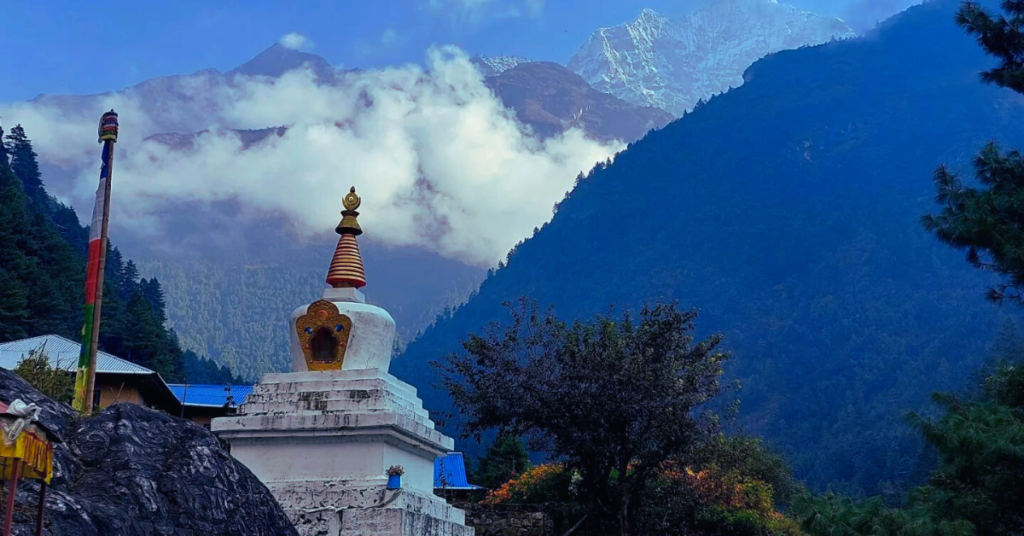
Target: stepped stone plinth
[{"x": 323, "y": 437}]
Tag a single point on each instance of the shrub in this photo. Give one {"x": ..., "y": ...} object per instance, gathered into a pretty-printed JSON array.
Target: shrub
[
  {"x": 542, "y": 483},
  {"x": 52, "y": 381}
]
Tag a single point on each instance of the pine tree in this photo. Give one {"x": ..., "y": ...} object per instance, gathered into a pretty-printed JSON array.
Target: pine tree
[
  {"x": 42, "y": 272},
  {"x": 155, "y": 296},
  {"x": 4, "y": 158},
  {"x": 506, "y": 458},
  {"x": 1001, "y": 37},
  {"x": 202, "y": 370},
  {"x": 128, "y": 280},
  {"x": 66, "y": 220},
  {"x": 13, "y": 307},
  {"x": 144, "y": 338},
  {"x": 13, "y": 264},
  {"x": 24, "y": 164},
  {"x": 986, "y": 222},
  {"x": 975, "y": 488},
  {"x": 1008, "y": 344}
]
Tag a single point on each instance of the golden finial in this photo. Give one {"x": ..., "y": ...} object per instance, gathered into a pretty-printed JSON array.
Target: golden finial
[
  {"x": 349, "y": 224},
  {"x": 347, "y": 265},
  {"x": 352, "y": 201}
]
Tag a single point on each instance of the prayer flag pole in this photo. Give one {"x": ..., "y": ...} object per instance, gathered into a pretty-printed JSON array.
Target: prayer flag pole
[{"x": 85, "y": 378}]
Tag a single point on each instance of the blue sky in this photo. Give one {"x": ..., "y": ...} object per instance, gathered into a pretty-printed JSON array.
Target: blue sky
[{"x": 69, "y": 46}]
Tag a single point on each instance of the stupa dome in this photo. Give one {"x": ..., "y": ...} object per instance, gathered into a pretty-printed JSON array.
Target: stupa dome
[{"x": 341, "y": 331}]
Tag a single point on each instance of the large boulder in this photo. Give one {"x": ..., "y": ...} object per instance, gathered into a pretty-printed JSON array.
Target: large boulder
[{"x": 133, "y": 471}]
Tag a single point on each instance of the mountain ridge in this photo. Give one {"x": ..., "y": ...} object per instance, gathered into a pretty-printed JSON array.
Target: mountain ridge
[
  {"x": 278, "y": 59},
  {"x": 787, "y": 212},
  {"x": 674, "y": 63}
]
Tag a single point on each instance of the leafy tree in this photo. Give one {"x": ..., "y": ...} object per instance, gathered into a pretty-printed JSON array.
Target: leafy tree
[
  {"x": 729, "y": 489},
  {"x": 540, "y": 484},
  {"x": 24, "y": 163},
  {"x": 613, "y": 398},
  {"x": 54, "y": 382},
  {"x": 734, "y": 485},
  {"x": 749, "y": 457},
  {"x": 505, "y": 459}
]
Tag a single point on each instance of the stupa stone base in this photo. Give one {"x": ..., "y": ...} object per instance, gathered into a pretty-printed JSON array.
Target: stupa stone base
[
  {"x": 322, "y": 442},
  {"x": 397, "y": 512}
]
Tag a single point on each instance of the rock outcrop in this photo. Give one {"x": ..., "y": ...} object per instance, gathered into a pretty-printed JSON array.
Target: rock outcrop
[{"x": 132, "y": 471}]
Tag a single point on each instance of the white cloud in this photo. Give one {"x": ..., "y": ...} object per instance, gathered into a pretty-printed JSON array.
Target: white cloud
[
  {"x": 439, "y": 162},
  {"x": 535, "y": 8},
  {"x": 388, "y": 37},
  {"x": 296, "y": 41},
  {"x": 480, "y": 11}
]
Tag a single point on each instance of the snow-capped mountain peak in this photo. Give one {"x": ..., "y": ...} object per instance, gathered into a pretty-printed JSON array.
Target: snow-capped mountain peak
[
  {"x": 495, "y": 65},
  {"x": 673, "y": 63}
]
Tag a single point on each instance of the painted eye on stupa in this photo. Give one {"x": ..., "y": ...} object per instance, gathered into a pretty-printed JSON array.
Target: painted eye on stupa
[
  {"x": 339, "y": 327},
  {"x": 309, "y": 330}
]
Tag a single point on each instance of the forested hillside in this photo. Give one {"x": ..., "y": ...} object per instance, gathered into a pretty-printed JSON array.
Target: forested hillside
[
  {"x": 236, "y": 310},
  {"x": 42, "y": 275},
  {"x": 788, "y": 212}
]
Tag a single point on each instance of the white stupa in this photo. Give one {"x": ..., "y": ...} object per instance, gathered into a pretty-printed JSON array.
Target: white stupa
[{"x": 325, "y": 436}]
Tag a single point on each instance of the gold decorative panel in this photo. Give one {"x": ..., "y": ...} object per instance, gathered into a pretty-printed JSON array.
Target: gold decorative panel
[{"x": 323, "y": 335}]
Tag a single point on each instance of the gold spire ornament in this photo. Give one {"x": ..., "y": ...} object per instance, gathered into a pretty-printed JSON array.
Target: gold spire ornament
[{"x": 347, "y": 265}]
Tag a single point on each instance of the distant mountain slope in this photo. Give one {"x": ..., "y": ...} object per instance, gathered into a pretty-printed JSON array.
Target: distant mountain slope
[
  {"x": 43, "y": 250},
  {"x": 187, "y": 141},
  {"x": 552, "y": 99},
  {"x": 277, "y": 60},
  {"x": 190, "y": 102},
  {"x": 495, "y": 65},
  {"x": 235, "y": 307},
  {"x": 546, "y": 96},
  {"x": 788, "y": 212},
  {"x": 205, "y": 290},
  {"x": 671, "y": 64}
]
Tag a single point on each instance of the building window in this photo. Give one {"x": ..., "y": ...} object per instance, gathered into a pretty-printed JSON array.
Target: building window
[{"x": 96, "y": 399}]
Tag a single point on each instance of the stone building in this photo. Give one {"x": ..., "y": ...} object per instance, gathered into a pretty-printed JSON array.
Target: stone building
[{"x": 345, "y": 447}]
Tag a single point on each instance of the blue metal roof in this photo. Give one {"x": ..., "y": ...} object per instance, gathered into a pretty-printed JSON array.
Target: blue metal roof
[
  {"x": 63, "y": 354},
  {"x": 214, "y": 396},
  {"x": 450, "y": 473}
]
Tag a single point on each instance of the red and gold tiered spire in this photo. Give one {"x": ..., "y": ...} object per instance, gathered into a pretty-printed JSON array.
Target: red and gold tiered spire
[{"x": 347, "y": 265}]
